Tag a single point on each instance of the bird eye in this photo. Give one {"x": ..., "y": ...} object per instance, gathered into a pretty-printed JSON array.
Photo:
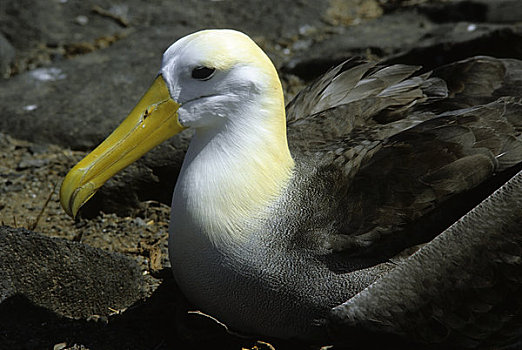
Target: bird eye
[{"x": 203, "y": 73}]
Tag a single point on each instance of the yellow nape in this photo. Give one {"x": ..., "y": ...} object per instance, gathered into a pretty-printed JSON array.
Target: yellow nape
[{"x": 224, "y": 48}]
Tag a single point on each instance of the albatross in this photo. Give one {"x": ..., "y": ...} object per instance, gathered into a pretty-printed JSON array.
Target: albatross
[{"x": 280, "y": 215}]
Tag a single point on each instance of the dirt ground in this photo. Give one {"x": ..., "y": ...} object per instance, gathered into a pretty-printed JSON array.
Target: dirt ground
[
  {"x": 31, "y": 173},
  {"x": 31, "y": 176}
]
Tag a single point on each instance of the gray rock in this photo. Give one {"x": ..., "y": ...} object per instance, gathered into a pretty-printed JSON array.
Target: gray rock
[
  {"x": 32, "y": 163},
  {"x": 40, "y": 29},
  {"x": 67, "y": 278},
  {"x": 7, "y": 55},
  {"x": 477, "y": 11},
  {"x": 504, "y": 11},
  {"x": 456, "y": 42},
  {"x": 28, "y": 24},
  {"x": 383, "y": 36},
  {"x": 78, "y": 102},
  {"x": 412, "y": 38}
]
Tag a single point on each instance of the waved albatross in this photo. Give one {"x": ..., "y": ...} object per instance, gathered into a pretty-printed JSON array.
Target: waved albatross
[{"x": 277, "y": 217}]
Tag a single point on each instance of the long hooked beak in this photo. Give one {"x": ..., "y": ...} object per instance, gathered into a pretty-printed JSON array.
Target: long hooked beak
[{"x": 152, "y": 121}]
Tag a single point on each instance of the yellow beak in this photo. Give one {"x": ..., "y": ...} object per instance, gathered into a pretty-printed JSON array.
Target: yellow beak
[{"x": 152, "y": 121}]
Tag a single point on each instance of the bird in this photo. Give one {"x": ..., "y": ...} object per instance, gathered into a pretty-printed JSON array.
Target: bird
[{"x": 282, "y": 216}]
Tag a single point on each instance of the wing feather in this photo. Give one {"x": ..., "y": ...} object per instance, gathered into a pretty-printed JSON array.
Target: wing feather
[
  {"x": 462, "y": 289},
  {"x": 402, "y": 143}
]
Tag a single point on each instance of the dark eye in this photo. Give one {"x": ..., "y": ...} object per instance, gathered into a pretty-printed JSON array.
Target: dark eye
[{"x": 203, "y": 73}]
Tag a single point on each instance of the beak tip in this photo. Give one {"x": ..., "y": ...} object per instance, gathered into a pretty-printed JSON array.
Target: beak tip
[
  {"x": 69, "y": 210},
  {"x": 73, "y": 212},
  {"x": 69, "y": 196}
]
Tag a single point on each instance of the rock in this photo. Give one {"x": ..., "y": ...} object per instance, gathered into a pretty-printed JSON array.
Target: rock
[
  {"x": 410, "y": 38},
  {"x": 80, "y": 101},
  {"x": 32, "y": 163},
  {"x": 45, "y": 33},
  {"x": 7, "y": 55},
  {"x": 383, "y": 36},
  {"x": 504, "y": 11},
  {"x": 28, "y": 24},
  {"x": 159, "y": 322},
  {"x": 498, "y": 11},
  {"x": 76, "y": 103},
  {"x": 64, "y": 277},
  {"x": 456, "y": 42}
]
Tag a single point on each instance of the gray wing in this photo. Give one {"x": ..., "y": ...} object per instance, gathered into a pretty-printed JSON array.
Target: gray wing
[
  {"x": 402, "y": 145},
  {"x": 463, "y": 289}
]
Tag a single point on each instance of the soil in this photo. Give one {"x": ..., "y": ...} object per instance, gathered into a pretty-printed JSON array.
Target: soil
[
  {"x": 32, "y": 165},
  {"x": 31, "y": 176}
]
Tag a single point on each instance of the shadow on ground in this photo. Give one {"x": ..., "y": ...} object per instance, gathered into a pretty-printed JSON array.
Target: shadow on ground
[{"x": 160, "y": 322}]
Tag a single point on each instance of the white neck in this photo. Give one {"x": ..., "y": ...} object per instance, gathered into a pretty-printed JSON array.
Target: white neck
[{"x": 232, "y": 173}]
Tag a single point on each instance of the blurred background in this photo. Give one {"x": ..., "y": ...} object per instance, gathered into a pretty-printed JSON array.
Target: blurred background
[{"x": 71, "y": 70}]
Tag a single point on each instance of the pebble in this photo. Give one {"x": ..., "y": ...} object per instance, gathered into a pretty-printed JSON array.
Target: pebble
[
  {"x": 140, "y": 222},
  {"x": 30, "y": 108},
  {"x": 32, "y": 163},
  {"x": 60, "y": 346},
  {"x": 82, "y": 20},
  {"x": 37, "y": 148}
]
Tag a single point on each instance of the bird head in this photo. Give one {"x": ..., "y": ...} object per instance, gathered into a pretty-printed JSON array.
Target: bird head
[{"x": 205, "y": 82}]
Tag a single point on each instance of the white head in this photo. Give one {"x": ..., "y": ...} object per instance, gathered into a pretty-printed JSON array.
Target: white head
[
  {"x": 220, "y": 83},
  {"x": 238, "y": 160},
  {"x": 215, "y": 74}
]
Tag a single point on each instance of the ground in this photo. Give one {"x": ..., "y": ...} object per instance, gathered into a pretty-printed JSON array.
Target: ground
[{"x": 66, "y": 84}]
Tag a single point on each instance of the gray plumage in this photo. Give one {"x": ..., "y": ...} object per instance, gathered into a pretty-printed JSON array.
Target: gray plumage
[
  {"x": 463, "y": 288},
  {"x": 379, "y": 154},
  {"x": 270, "y": 236}
]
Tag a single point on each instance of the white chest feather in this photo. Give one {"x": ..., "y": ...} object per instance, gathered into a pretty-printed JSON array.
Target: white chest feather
[{"x": 230, "y": 176}]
